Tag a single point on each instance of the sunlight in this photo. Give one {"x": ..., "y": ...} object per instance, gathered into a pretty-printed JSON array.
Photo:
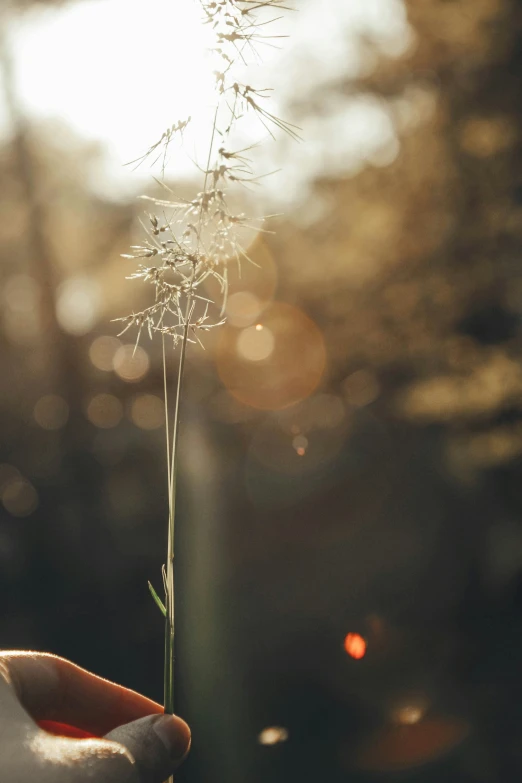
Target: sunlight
[
  {"x": 120, "y": 73},
  {"x": 115, "y": 71}
]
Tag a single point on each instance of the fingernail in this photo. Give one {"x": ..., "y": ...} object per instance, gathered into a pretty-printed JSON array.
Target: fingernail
[{"x": 174, "y": 734}]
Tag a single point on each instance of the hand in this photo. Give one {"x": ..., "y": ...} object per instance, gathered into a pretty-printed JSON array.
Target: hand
[{"x": 139, "y": 745}]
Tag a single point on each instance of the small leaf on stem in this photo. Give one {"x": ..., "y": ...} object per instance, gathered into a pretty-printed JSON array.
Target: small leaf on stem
[{"x": 158, "y": 600}]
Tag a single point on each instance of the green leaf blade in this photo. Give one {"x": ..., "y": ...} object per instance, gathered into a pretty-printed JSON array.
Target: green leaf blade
[{"x": 158, "y": 600}]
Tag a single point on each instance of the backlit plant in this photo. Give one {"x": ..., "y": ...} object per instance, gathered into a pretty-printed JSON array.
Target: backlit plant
[{"x": 189, "y": 241}]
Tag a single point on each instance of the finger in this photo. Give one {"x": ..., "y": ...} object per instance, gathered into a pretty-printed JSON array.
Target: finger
[
  {"x": 14, "y": 720},
  {"x": 59, "y": 760},
  {"x": 158, "y": 744},
  {"x": 51, "y": 688}
]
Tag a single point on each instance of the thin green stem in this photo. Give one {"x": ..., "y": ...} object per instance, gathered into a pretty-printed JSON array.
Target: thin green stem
[
  {"x": 172, "y": 465},
  {"x": 169, "y": 597},
  {"x": 167, "y": 427}
]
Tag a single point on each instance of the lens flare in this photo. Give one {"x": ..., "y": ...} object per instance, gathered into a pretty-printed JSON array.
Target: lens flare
[
  {"x": 272, "y": 376},
  {"x": 243, "y": 308},
  {"x": 300, "y": 444},
  {"x": 255, "y": 343},
  {"x": 303, "y": 439}
]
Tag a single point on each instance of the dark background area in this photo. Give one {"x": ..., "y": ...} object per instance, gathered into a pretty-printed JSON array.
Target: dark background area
[{"x": 401, "y": 519}]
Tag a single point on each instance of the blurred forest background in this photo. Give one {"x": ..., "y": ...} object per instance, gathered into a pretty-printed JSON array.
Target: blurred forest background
[{"x": 350, "y": 537}]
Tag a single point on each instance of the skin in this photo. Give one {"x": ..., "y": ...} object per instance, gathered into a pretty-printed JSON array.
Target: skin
[{"x": 139, "y": 743}]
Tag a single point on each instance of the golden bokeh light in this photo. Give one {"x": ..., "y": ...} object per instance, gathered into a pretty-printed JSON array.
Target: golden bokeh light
[
  {"x": 255, "y": 343},
  {"x": 102, "y": 351},
  {"x": 8, "y": 474},
  {"x": 131, "y": 363},
  {"x": 272, "y": 735},
  {"x": 355, "y": 646},
  {"x": 484, "y": 389},
  {"x": 300, "y": 444},
  {"x": 288, "y": 373},
  {"x": 243, "y": 308},
  {"x": 104, "y": 411},
  {"x": 51, "y": 412},
  {"x": 148, "y": 412},
  {"x": 408, "y": 714},
  {"x": 78, "y": 302},
  {"x": 19, "y": 497}
]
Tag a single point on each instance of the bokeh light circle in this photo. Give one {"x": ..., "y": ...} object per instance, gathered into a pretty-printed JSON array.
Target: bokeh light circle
[
  {"x": 242, "y": 309},
  {"x": 78, "y": 301},
  {"x": 289, "y": 373},
  {"x": 255, "y": 343},
  {"x": 51, "y": 412},
  {"x": 104, "y": 411},
  {"x": 355, "y": 646},
  {"x": 131, "y": 363},
  {"x": 19, "y": 497},
  {"x": 148, "y": 412},
  {"x": 361, "y": 388},
  {"x": 408, "y": 714},
  {"x": 273, "y": 735},
  {"x": 102, "y": 351},
  {"x": 8, "y": 474}
]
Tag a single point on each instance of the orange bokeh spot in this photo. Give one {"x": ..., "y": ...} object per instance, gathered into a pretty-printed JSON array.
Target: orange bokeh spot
[
  {"x": 274, "y": 366},
  {"x": 355, "y": 646}
]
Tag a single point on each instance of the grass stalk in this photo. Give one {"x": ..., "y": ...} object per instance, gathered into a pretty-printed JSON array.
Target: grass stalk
[
  {"x": 201, "y": 239},
  {"x": 173, "y": 468}
]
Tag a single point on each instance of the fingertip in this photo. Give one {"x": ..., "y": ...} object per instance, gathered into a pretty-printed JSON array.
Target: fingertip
[
  {"x": 158, "y": 744},
  {"x": 175, "y": 735}
]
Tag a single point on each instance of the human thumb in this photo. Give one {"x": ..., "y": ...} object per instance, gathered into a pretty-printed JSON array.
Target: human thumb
[{"x": 158, "y": 744}]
